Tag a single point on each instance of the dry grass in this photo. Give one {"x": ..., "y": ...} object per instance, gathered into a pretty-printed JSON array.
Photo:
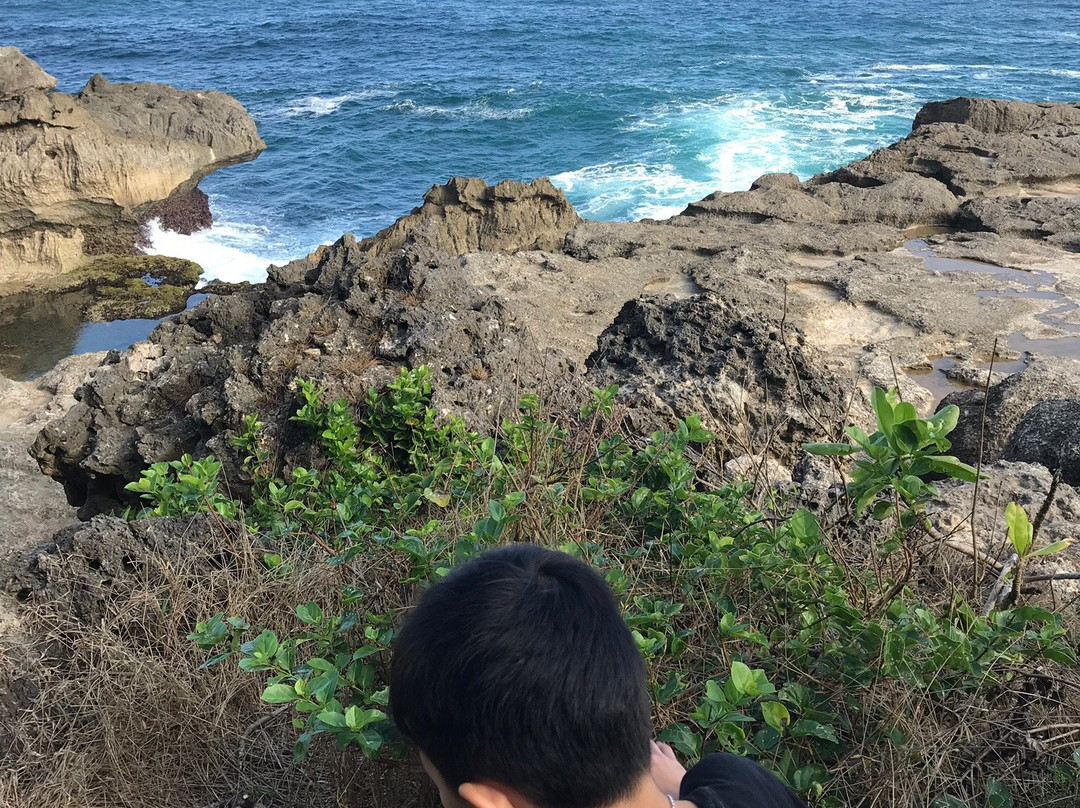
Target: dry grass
[{"x": 123, "y": 716}]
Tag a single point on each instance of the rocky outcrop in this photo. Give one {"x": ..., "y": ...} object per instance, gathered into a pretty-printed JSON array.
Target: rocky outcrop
[
  {"x": 977, "y": 146},
  {"x": 33, "y": 506},
  {"x": 771, "y": 312},
  {"x": 84, "y": 566},
  {"x": 80, "y": 174},
  {"x": 703, "y": 355},
  {"x": 1049, "y": 435},
  {"x": 468, "y": 215},
  {"x": 988, "y": 419},
  {"x": 348, "y": 316}
]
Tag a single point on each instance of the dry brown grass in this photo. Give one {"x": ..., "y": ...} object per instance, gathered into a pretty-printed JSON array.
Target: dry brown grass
[{"x": 123, "y": 716}]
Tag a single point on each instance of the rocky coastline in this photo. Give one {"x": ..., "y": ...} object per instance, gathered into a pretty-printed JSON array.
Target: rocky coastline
[
  {"x": 947, "y": 265},
  {"x": 81, "y": 175}
]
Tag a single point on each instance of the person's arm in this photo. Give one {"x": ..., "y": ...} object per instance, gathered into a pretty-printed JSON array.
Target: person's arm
[{"x": 729, "y": 781}]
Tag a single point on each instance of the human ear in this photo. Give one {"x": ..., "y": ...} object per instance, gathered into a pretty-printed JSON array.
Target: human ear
[{"x": 485, "y": 795}]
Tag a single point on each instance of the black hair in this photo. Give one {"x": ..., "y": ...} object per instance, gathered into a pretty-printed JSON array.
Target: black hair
[{"x": 518, "y": 668}]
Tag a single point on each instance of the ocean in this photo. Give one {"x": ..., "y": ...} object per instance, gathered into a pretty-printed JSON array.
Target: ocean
[{"x": 634, "y": 108}]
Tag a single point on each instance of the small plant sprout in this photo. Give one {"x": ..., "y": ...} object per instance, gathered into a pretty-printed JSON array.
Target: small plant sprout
[{"x": 1021, "y": 533}]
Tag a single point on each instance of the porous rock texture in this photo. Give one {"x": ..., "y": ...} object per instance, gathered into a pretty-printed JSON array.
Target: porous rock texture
[
  {"x": 771, "y": 312},
  {"x": 79, "y": 174}
]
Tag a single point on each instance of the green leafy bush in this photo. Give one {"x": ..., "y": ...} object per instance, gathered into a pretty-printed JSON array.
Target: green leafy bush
[{"x": 760, "y": 637}]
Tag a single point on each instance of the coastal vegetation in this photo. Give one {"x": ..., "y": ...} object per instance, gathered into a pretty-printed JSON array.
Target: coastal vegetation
[{"x": 846, "y": 657}]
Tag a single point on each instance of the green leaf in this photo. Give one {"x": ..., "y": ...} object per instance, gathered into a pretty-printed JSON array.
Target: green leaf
[
  {"x": 809, "y": 777},
  {"x": 742, "y": 677},
  {"x": 804, "y": 525},
  {"x": 951, "y": 467},
  {"x": 320, "y": 664},
  {"x": 997, "y": 795},
  {"x": 332, "y": 718},
  {"x": 279, "y": 694},
  {"x": 882, "y": 510},
  {"x": 1050, "y": 549},
  {"x": 713, "y": 692},
  {"x": 215, "y": 660},
  {"x": 498, "y": 512},
  {"x": 883, "y": 409},
  {"x": 683, "y": 740},
  {"x": 948, "y": 801},
  {"x": 671, "y": 688},
  {"x": 265, "y": 645},
  {"x": 310, "y": 613},
  {"x": 776, "y": 715},
  {"x": 830, "y": 449},
  {"x": 437, "y": 499},
  {"x": 859, "y": 436},
  {"x": 804, "y": 727},
  {"x": 904, "y": 413},
  {"x": 945, "y": 420},
  {"x": 1020, "y": 530}
]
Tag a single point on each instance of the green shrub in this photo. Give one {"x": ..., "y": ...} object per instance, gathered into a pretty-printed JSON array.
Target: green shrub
[{"x": 760, "y": 638}]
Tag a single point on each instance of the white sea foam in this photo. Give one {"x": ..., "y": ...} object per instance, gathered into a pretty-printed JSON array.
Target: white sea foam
[
  {"x": 726, "y": 143},
  {"x": 227, "y": 251},
  {"x": 981, "y": 70},
  {"x": 480, "y": 110},
  {"x": 316, "y": 106},
  {"x": 633, "y": 190},
  {"x": 934, "y": 67}
]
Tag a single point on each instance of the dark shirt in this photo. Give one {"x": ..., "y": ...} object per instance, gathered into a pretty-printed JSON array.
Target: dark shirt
[{"x": 730, "y": 781}]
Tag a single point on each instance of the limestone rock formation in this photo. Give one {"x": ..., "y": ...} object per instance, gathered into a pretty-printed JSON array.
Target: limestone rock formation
[
  {"x": 348, "y": 316},
  {"x": 468, "y": 215},
  {"x": 80, "y": 174},
  {"x": 770, "y": 312}
]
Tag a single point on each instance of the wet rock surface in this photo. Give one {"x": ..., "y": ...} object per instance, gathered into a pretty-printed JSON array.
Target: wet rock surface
[{"x": 79, "y": 174}]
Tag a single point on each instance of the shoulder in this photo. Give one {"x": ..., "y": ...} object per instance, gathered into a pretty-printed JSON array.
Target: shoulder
[{"x": 723, "y": 780}]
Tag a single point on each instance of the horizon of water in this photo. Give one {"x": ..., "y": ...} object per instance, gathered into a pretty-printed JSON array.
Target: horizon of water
[{"x": 632, "y": 109}]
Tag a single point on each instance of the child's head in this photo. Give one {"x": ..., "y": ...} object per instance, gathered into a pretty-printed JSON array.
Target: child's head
[{"x": 517, "y": 670}]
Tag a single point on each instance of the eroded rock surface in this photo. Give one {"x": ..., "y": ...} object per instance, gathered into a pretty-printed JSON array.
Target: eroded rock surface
[
  {"x": 772, "y": 312},
  {"x": 80, "y": 173},
  {"x": 33, "y": 507}
]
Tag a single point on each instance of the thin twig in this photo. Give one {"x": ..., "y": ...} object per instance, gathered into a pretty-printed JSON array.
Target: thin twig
[
  {"x": 1057, "y": 576},
  {"x": 1040, "y": 517},
  {"x": 975, "y": 554},
  {"x": 975, "y": 572}
]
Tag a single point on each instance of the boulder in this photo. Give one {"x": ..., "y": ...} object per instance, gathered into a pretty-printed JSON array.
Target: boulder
[
  {"x": 20, "y": 75},
  {"x": 705, "y": 356},
  {"x": 86, "y": 565},
  {"x": 80, "y": 174},
  {"x": 1005, "y": 406},
  {"x": 1049, "y": 434}
]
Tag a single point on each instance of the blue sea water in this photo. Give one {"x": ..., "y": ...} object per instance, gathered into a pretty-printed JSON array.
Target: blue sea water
[{"x": 635, "y": 108}]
